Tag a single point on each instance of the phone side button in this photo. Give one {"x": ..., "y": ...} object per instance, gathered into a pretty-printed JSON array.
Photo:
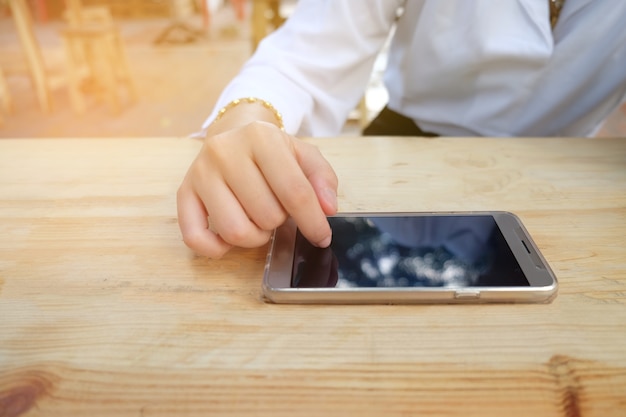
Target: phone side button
[{"x": 467, "y": 294}]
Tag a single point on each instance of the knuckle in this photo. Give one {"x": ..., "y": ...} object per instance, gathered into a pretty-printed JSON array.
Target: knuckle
[
  {"x": 213, "y": 150},
  {"x": 222, "y": 150},
  {"x": 259, "y": 126},
  {"x": 196, "y": 242},
  {"x": 264, "y": 134},
  {"x": 238, "y": 235},
  {"x": 244, "y": 235},
  {"x": 193, "y": 240},
  {"x": 271, "y": 219},
  {"x": 218, "y": 253}
]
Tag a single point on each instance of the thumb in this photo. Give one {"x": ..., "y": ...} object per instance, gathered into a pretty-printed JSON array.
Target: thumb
[{"x": 319, "y": 173}]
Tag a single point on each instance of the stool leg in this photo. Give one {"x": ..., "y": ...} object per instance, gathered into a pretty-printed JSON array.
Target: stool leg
[
  {"x": 74, "y": 63},
  {"x": 259, "y": 21},
  {"x": 122, "y": 65},
  {"x": 106, "y": 58},
  {"x": 5, "y": 95},
  {"x": 363, "y": 112}
]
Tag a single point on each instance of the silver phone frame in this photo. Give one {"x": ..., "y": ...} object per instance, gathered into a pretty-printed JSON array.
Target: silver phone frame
[{"x": 543, "y": 283}]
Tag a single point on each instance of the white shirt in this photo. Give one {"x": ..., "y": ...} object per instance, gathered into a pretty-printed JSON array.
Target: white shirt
[{"x": 457, "y": 67}]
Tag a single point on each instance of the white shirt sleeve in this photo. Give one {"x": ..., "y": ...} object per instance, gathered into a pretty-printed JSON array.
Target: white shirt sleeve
[{"x": 315, "y": 68}]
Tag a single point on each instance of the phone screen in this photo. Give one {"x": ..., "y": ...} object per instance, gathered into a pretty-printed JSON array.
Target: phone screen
[{"x": 412, "y": 251}]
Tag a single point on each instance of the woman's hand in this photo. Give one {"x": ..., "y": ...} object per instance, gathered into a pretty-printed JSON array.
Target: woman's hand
[{"x": 248, "y": 180}]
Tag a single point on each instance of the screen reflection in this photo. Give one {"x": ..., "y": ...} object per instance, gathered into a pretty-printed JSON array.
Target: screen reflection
[{"x": 425, "y": 251}]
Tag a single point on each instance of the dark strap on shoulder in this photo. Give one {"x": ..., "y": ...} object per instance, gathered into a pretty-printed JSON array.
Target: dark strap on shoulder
[
  {"x": 391, "y": 123},
  {"x": 555, "y": 11}
]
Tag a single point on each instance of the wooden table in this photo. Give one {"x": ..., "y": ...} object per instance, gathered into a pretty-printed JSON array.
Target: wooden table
[{"x": 103, "y": 311}]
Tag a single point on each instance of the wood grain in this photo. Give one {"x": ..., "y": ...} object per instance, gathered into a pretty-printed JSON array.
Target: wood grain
[{"x": 103, "y": 311}]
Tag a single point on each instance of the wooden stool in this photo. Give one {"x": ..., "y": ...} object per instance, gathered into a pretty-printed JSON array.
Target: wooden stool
[
  {"x": 93, "y": 40},
  {"x": 44, "y": 80}
]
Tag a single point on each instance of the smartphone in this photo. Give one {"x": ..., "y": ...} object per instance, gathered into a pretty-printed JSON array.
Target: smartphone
[{"x": 402, "y": 258}]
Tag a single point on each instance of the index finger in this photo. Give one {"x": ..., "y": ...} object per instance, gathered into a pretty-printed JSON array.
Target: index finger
[{"x": 294, "y": 191}]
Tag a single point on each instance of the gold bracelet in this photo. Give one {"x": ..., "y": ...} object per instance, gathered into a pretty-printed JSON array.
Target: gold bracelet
[{"x": 265, "y": 104}]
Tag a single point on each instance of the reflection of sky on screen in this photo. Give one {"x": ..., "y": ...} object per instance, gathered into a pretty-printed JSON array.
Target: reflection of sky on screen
[{"x": 377, "y": 258}]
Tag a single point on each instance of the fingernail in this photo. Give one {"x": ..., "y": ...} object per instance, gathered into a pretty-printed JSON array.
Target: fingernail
[{"x": 331, "y": 197}]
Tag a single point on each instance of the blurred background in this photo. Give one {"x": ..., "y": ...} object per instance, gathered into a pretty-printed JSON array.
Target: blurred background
[{"x": 128, "y": 68}]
